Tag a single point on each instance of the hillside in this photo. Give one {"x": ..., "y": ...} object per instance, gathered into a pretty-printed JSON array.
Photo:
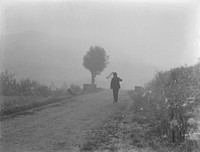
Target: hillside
[
  {"x": 47, "y": 57},
  {"x": 40, "y": 55}
]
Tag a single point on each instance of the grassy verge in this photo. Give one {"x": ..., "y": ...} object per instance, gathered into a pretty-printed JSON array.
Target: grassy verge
[
  {"x": 130, "y": 130},
  {"x": 14, "y": 104},
  {"x": 143, "y": 115},
  {"x": 11, "y": 105},
  {"x": 125, "y": 131},
  {"x": 105, "y": 136}
]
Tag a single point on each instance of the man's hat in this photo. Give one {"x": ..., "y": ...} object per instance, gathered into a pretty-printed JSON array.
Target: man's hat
[{"x": 114, "y": 73}]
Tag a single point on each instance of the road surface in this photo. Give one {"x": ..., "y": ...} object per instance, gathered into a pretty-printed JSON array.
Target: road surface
[{"x": 59, "y": 127}]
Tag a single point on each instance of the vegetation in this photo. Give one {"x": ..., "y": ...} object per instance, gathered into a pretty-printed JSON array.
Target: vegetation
[
  {"x": 25, "y": 87},
  {"x": 95, "y": 61},
  {"x": 75, "y": 88},
  {"x": 17, "y": 96},
  {"x": 108, "y": 135},
  {"x": 162, "y": 118},
  {"x": 14, "y": 104},
  {"x": 169, "y": 102}
]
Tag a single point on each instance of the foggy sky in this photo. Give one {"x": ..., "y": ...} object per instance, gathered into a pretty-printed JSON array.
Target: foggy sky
[{"x": 158, "y": 35}]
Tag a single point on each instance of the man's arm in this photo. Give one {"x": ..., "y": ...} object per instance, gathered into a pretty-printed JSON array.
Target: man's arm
[
  {"x": 119, "y": 79},
  {"x": 111, "y": 84}
]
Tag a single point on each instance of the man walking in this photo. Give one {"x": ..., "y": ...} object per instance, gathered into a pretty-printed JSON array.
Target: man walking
[{"x": 115, "y": 86}]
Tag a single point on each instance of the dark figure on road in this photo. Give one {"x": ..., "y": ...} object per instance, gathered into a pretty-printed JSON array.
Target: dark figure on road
[{"x": 115, "y": 86}]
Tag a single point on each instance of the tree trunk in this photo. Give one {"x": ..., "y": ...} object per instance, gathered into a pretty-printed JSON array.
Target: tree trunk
[{"x": 92, "y": 78}]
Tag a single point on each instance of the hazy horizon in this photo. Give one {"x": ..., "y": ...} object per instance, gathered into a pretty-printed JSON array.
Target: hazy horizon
[{"x": 47, "y": 40}]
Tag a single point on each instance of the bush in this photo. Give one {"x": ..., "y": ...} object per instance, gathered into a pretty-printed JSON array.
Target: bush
[
  {"x": 25, "y": 87},
  {"x": 75, "y": 89},
  {"x": 7, "y": 83},
  {"x": 169, "y": 101}
]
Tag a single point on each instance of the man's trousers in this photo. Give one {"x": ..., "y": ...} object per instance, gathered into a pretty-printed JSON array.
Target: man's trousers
[{"x": 115, "y": 94}]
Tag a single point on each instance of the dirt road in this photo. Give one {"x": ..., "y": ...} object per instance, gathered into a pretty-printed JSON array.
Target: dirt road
[{"x": 59, "y": 127}]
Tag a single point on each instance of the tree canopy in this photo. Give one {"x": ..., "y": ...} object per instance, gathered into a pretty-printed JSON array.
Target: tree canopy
[{"x": 95, "y": 61}]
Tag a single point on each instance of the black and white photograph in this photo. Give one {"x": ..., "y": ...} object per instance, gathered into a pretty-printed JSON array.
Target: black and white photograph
[{"x": 99, "y": 75}]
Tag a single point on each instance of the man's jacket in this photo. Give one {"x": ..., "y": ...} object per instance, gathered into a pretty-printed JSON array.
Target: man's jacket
[{"x": 115, "y": 83}]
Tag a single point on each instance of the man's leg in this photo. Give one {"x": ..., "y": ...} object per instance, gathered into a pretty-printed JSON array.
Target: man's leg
[{"x": 115, "y": 95}]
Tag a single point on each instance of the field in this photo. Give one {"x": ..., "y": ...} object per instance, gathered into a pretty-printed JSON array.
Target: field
[{"x": 13, "y": 104}]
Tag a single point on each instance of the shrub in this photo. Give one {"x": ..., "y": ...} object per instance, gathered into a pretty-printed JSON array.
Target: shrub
[
  {"x": 25, "y": 87},
  {"x": 169, "y": 101},
  {"x": 7, "y": 83},
  {"x": 75, "y": 88}
]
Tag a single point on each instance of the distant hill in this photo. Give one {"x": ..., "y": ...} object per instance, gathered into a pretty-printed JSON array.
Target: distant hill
[
  {"x": 40, "y": 55},
  {"x": 51, "y": 58}
]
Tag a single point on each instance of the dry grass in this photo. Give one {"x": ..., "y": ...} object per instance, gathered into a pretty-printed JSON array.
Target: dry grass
[
  {"x": 121, "y": 132},
  {"x": 129, "y": 131},
  {"x": 14, "y": 104},
  {"x": 152, "y": 138}
]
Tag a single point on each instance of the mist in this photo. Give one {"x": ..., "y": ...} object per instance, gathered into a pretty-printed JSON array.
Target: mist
[{"x": 46, "y": 40}]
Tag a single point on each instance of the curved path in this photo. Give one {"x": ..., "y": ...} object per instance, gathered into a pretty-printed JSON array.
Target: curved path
[{"x": 59, "y": 127}]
